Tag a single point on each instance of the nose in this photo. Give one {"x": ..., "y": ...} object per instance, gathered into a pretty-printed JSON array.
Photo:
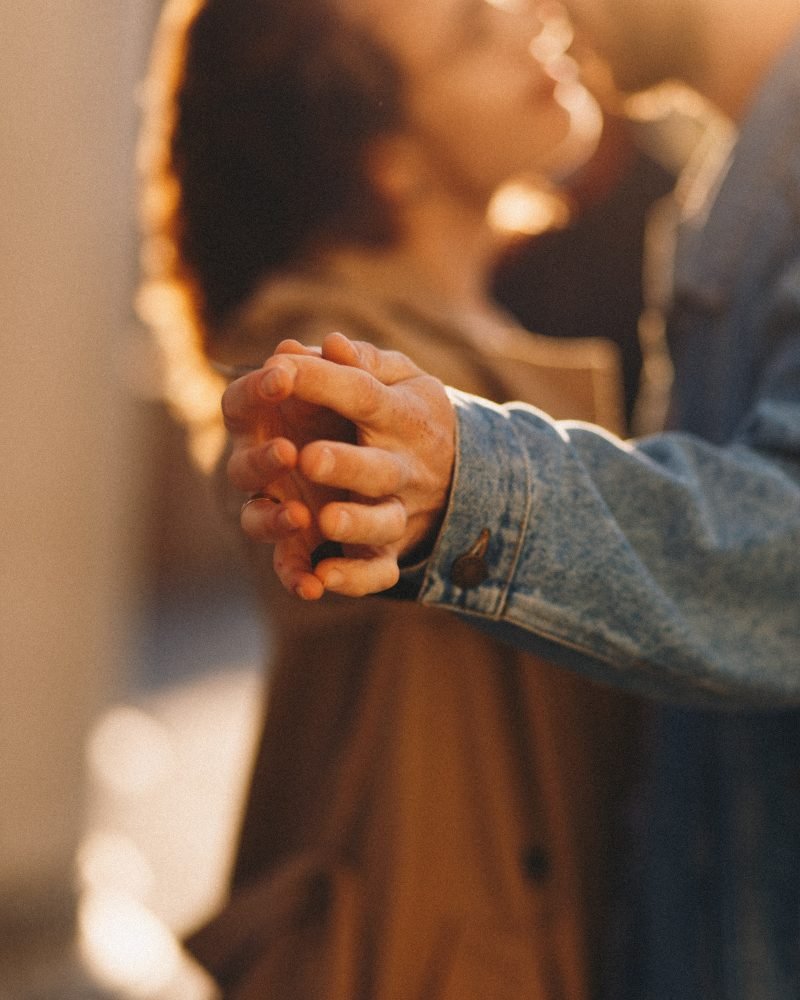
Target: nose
[
  {"x": 544, "y": 29},
  {"x": 535, "y": 28}
]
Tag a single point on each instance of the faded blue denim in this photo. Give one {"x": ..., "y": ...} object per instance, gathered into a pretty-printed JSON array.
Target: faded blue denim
[{"x": 671, "y": 566}]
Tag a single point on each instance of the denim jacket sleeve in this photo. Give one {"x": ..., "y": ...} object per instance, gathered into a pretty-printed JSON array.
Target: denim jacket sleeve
[{"x": 667, "y": 565}]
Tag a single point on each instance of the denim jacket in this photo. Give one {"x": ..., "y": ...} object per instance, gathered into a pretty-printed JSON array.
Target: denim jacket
[{"x": 671, "y": 566}]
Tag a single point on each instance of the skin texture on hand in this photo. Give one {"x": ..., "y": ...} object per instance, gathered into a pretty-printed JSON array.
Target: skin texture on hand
[{"x": 357, "y": 447}]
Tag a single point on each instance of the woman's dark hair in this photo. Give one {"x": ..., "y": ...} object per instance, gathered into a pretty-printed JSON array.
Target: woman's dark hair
[{"x": 274, "y": 102}]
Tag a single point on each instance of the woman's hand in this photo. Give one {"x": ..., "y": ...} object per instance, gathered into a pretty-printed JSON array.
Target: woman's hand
[
  {"x": 265, "y": 442},
  {"x": 357, "y": 445}
]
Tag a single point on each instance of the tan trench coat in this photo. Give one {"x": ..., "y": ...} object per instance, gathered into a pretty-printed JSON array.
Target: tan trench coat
[{"x": 431, "y": 814}]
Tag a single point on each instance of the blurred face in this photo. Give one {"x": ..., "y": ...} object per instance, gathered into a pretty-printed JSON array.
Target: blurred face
[
  {"x": 482, "y": 107},
  {"x": 644, "y": 41}
]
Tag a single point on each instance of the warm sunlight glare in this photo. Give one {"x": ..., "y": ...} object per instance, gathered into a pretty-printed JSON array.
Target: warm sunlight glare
[
  {"x": 523, "y": 208},
  {"x": 113, "y": 862},
  {"x": 130, "y": 751},
  {"x": 512, "y": 6},
  {"x": 556, "y": 36},
  {"x": 126, "y": 946}
]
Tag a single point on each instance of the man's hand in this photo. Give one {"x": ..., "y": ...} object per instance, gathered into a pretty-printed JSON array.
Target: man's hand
[{"x": 372, "y": 437}]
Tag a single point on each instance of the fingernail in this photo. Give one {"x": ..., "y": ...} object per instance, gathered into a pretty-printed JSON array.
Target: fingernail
[
  {"x": 286, "y": 520},
  {"x": 271, "y": 382},
  {"x": 325, "y": 462},
  {"x": 333, "y": 578},
  {"x": 342, "y": 524},
  {"x": 301, "y": 591}
]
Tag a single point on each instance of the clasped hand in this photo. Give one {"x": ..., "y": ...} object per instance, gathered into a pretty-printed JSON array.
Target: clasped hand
[{"x": 345, "y": 444}]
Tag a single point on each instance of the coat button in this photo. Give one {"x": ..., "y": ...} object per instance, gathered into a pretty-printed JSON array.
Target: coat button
[
  {"x": 470, "y": 569},
  {"x": 536, "y": 864}
]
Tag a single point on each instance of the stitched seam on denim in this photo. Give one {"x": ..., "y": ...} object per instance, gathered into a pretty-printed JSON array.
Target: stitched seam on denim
[{"x": 530, "y": 491}]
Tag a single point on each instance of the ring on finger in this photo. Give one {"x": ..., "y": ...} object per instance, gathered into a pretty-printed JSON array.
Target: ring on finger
[{"x": 258, "y": 496}]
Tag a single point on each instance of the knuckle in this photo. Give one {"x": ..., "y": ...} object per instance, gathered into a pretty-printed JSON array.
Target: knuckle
[
  {"x": 370, "y": 398},
  {"x": 367, "y": 355},
  {"x": 244, "y": 470},
  {"x": 256, "y": 463},
  {"x": 399, "y": 517},
  {"x": 235, "y": 473},
  {"x": 395, "y": 479},
  {"x": 401, "y": 365},
  {"x": 231, "y": 410}
]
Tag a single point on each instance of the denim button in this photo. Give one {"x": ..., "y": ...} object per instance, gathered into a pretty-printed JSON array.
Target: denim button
[{"x": 470, "y": 569}]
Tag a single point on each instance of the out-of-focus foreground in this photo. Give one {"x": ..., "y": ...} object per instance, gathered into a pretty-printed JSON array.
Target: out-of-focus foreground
[{"x": 130, "y": 663}]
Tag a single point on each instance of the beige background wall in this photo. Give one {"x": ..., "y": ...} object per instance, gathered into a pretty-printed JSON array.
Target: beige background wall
[{"x": 70, "y": 452}]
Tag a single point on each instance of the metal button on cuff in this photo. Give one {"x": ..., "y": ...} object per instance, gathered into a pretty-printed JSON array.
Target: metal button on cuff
[{"x": 470, "y": 569}]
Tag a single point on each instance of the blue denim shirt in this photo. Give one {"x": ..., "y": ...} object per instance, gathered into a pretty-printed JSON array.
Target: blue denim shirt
[{"x": 671, "y": 566}]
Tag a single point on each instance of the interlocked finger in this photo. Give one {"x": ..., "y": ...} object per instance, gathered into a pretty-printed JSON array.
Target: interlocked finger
[
  {"x": 252, "y": 468},
  {"x": 263, "y": 519},
  {"x": 358, "y": 577},
  {"x": 388, "y": 367},
  {"x": 370, "y": 472},
  {"x": 292, "y": 563},
  {"x": 351, "y": 392},
  {"x": 243, "y": 403},
  {"x": 377, "y": 524}
]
